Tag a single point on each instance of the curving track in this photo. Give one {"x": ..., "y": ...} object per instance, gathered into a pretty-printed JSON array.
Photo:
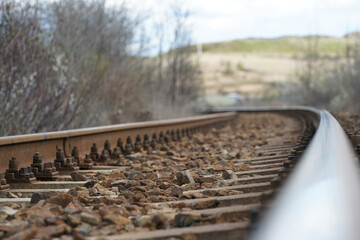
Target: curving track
[{"x": 203, "y": 187}]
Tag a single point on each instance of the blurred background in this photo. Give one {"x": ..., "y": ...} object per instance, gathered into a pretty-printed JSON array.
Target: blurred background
[{"x": 79, "y": 63}]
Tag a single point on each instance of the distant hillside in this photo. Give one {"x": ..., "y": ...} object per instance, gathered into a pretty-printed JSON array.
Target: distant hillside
[
  {"x": 282, "y": 45},
  {"x": 255, "y": 66}
]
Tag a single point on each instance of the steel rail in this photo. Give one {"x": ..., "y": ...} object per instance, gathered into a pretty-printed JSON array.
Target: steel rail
[
  {"x": 321, "y": 198},
  {"x": 23, "y": 147},
  {"x": 318, "y": 201}
]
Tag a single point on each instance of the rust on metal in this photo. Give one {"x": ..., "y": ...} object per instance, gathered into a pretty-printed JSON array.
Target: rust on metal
[
  {"x": 24, "y": 146},
  {"x": 15, "y": 175},
  {"x": 43, "y": 171}
]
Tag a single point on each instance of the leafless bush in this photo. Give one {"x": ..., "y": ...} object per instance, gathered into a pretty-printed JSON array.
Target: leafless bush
[
  {"x": 69, "y": 64},
  {"x": 332, "y": 83},
  {"x": 177, "y": 81},
  {"x": 34, "y": 88}
]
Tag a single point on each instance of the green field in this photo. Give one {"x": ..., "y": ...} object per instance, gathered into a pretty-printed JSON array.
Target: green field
[{"x": 295, "y": 46}]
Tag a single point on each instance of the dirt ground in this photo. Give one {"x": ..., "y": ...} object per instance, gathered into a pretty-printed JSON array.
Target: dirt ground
[{"x": 245, "y": 73}]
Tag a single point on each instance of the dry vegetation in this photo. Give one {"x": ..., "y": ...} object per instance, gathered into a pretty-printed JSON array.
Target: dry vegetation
[
  {"x": 69, "y": 64},
  {"x": 317, "y": 71},
  {"x": 332, "y": 83}
]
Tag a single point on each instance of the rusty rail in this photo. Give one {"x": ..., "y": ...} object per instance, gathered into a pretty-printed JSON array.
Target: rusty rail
[
  {"x": 318, "y": 202},
  {"x": 23, "y": 147}
]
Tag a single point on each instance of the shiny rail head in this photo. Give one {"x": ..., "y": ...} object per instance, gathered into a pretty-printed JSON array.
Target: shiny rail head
[{"x": 321, "y": 198}]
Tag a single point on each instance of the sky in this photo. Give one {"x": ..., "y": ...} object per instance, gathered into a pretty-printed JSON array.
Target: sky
[{"x": 221, "y": 20}]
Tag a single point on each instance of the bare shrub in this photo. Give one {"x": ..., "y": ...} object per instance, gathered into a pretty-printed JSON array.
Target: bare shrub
[
  {"x": 332, "y": 83},
  {"x": 34, "y": 89},
  {"x": 175, "y": 83},
  {"x": 70, "y": 64}
]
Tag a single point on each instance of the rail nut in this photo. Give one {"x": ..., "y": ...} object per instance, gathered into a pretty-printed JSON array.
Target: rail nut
[
  {"x": 116, "y": 153},
  {"x": 3, "y": 182},
  {"x": 24, "y": 175},
  {"x": 37, "y": 158},
  {"x": 69, "y": 162},
  {"x": 161, "y": 138},
  {"x": 50, "y": 166},
  {"x": 146, "y": 143},
  {"x": 37, "y": 165},
  {"x": 128, "y": 146},
  {"x": 87, "y": 163},
  {"x": 76, "y": 155},
  {"x": 13, "y": 164},
  {"x": 286, "y": 164},
  {"x": 154, "y": 141},
  {"x": 94, "y": 154},
  {"x": 26, "y": 172},
  {"x": 120, "y": 144},
  {"x": 107, "y": 146},
  {"x": 293, "y": 160},
  {"x": 166, "y": 137},
  {"x": 60, "y": 157},
  {"x": 104, "y": 155},
  {"x": 138, "y": 144},
  {"x": 46, "y": 171},
  {"x": 69, "y": 165},
  {"x": 13, "y": 171}
]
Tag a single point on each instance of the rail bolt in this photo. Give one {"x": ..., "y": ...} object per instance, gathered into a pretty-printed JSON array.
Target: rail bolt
[
  {"x": 13, "y": 164},
  {"x": 107, "y": 146},
  {"x": 37, "y": 158},
  {"x": 146, "y": 143}
]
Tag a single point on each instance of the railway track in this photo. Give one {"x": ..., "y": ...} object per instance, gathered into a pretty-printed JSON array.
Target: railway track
[{"x": 214, "y": 175}]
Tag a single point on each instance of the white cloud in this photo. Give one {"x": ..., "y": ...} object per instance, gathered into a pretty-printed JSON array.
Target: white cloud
[{"x": 215, "y": 20}]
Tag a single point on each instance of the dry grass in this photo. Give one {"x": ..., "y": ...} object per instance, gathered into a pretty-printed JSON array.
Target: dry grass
[{"x": 258, "y": 70}]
